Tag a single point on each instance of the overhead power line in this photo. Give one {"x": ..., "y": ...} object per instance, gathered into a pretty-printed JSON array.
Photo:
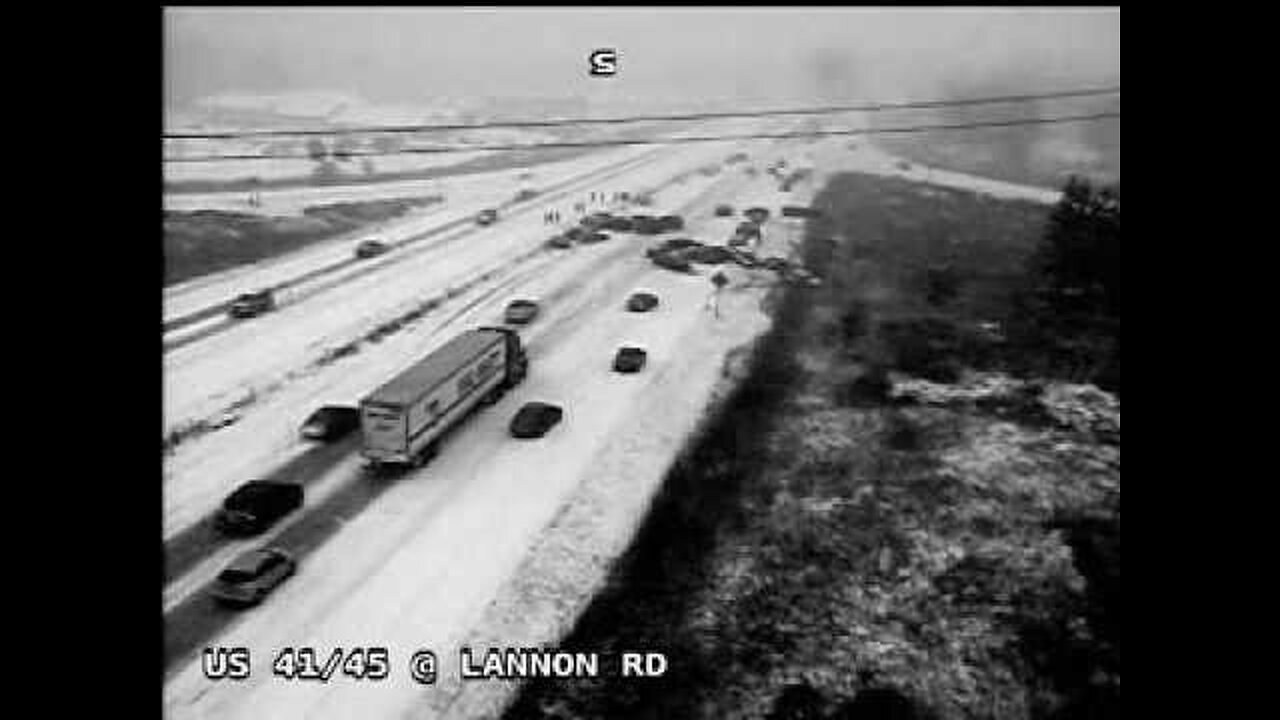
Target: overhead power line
[
  {"x": 824, "y": 110},
  {"x": 665, "y": 141}
]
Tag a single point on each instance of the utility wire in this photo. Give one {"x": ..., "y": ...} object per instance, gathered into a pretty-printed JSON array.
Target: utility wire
[
  {"x": 661, "y": 141},
  {"x": 874, "y": 107}
]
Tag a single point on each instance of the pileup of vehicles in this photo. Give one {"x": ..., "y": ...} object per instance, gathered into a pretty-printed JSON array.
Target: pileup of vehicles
[{"x": 402, "y": 422}]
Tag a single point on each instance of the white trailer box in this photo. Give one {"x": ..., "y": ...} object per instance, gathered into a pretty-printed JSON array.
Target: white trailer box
[{"x": 402, "y": 419}]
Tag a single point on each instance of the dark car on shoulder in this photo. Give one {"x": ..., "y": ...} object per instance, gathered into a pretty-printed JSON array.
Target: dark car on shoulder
[
  {"x": 252, "y": 576},
  {"x": 535, "y": 419},
  {"x": 629, "y": 359},
  {"x": 252, "y": 304},
  {"x": 256, "y": 506},
  {"x": 331, "y": 422},
  {"x": 724, "y": 211}
]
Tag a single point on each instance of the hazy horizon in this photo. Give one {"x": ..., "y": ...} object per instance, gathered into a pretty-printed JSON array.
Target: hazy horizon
[{"x": 759, "y": 55}]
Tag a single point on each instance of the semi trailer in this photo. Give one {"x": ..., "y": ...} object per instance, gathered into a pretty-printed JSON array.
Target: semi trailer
[{"x": 403, "y": 420}]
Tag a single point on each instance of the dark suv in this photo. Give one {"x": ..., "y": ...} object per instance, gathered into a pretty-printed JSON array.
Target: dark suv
[
  {"x": 257, "y": 505},
  {"x": 249, "y": 305}
]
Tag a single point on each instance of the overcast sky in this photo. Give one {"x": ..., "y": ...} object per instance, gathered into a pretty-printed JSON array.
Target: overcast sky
[{"x": 761, "y": 54}]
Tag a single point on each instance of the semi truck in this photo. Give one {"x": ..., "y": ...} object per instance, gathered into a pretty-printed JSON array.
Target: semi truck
[{"x": 403, "y": 420}]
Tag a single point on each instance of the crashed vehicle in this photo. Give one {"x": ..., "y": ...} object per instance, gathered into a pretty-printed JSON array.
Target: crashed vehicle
[
  {"x": 709, "y": 255},
  {"x": 671, "y": 261},
  {"x": 596, "y": 220},
  {"x": 747, "y": 230},
  {"x": 618, "y": 223},
  {"x": 670, "y": 223},
  {"x": 646, "y": 224},
  {"x": 800, "y": 211}
]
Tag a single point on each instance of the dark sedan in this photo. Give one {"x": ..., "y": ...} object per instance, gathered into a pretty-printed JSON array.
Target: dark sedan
[
  {"x": 642, "y": 302},
  {"x": 252, "y": 576},
  {"x": 647, "y": 224},
  {"x": 535, "y": 419},
  {"x": 331, "y": 422},
  {"x": 371, "y": 248},
  {"x": 521, "y": 312},
  {"x": 618, "y": 223},
  {"x": 249, "y": 305},
  {"x": 629, "y": 359},
  {"x": 670, "y": 223},
  {"x": 256, "y": 506}
]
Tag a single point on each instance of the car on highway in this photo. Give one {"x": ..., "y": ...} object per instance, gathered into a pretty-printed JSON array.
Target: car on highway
[
  {"x": 487, "y": 217},
  {"x": 521, "y": 312},
  {"x": 724, "y": 211},
  {"x": 593, "y": 237},
  {"x": 646, "y": 224},
  {"x": 251, "y": 304},
  {"x": 560, "y": 242},
  {"x": 331, "y": 422},
  {"x": 257, "y": 505},
  {"x": 671, "y": 261},
  {"x": 756, "y": 214},
  {"x": 371, "y": 248},
  {"x": 799, "y": 211},
  {"x": 670, "y": 223},
  {"x": 642, "y": 302},
  {"x": 667, "y": 246},
  {"x": 629, "y": 359},
  {"x": 618, "y": 223},
  {"x": 534, "y": 419},
  {"x": 252, "y": 576},
  {"x": 596, "y": 220},
  {"x": 747, "y": 230}
]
